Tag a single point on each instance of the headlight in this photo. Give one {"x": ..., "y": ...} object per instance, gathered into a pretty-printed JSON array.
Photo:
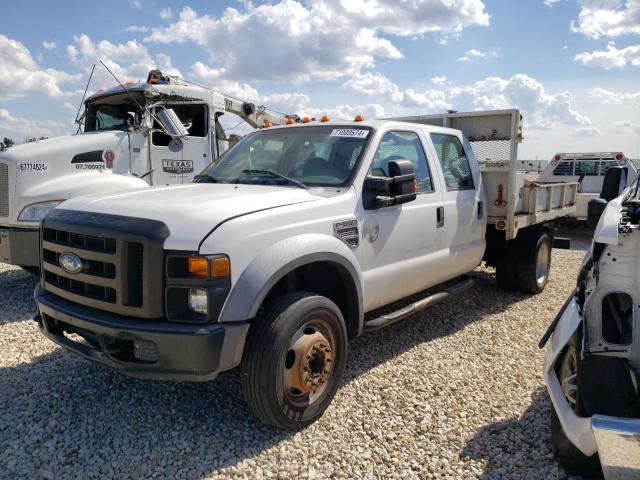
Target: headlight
[
  {"x": 37, "y": 211},
  {"x": 198, "y": 300}
]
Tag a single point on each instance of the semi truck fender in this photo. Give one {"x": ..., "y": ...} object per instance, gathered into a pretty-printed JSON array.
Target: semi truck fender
[
  {"x": 279, "y": 259},
  {"x": 74, "y": 184}
]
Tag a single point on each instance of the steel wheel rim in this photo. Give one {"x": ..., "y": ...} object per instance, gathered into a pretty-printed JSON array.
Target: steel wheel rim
[
  {"x": 308, "y": 363},
  {"x": 542, "y": 263},
  {"x": 568, "y": 374}
]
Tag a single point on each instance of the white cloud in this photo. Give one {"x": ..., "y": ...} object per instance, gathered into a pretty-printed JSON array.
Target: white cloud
[
  {"x": 439, "y": 80},
  {"x": 166, "y": 13},
  {"x": 550, "y": 3},
  {"x": 20, "y": 74},
  {"x": 474, "y": 55},
  {"x": 612, "y": 57},
  {"x": 541, "y": 110},
  {"x": 137, "y": 29},
  {"x": 615, "y": 98},
  {"x": 586, "y": 132},
  {"x": 607, "y": 18},
  {"x": 627, "y": 126},
  {"x": 128, "y": 61},
  {"x": 136, "y": 4},
  {"x": 49, "y": 45},
  {"x": 319, "y": 40},
  {"x": 18, "y": 127}
]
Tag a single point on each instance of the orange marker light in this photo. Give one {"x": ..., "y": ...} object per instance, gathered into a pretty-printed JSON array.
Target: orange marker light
[
  {"x": 359, "y": 118},
  {"x": 198, "y": 267},
  {"x": 220, "y": 267},
  {"x": 267, "y": 124},
  {"x": 290, "y": 121},
  {"x": 306, "y": 120},
  {"x": 325, "y": 118}
]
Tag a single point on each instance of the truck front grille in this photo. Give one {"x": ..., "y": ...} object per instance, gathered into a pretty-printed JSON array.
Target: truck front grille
[
  {"x": 122, "y": 261},
  {"x": 4, "y": 190}
]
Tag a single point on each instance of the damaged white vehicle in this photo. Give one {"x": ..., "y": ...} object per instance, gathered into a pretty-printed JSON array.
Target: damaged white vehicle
[{"x": 592, "y": 362}]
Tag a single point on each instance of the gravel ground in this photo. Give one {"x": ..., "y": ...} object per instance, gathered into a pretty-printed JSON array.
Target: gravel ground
[{"x": 456, "y": 392}]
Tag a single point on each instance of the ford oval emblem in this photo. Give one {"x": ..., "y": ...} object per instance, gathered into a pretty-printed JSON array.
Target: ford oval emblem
[{"x": 70, "y": 262}]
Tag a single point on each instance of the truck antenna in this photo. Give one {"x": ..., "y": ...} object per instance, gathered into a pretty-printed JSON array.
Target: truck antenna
[
  {"x": 84, "y": 95},
  {"x": 123, "y": 87}
]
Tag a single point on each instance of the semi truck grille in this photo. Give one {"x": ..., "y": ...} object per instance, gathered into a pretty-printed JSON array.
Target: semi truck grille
[
  {"x": 122, "y": 261},
  {"x": 4, "y": 190}
]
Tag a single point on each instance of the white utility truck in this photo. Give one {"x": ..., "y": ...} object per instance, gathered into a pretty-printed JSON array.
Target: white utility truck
[
  {"x": 592, "y": 363},
  {"x": 297, "y": 240},
  {"x": 130, "y": 139},
  {"x": 588, "y": 169}
]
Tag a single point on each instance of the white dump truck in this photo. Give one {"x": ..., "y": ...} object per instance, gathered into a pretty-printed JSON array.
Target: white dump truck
[
  {"x": 130, "y": 139},
  {"x": 592, "y": 362},
  {"x": 588, "y": 169},
  {"x": 293, "y": 243}
]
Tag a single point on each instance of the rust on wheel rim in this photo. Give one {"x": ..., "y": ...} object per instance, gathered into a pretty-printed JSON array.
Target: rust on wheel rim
[{"x": 309, "y": 362}]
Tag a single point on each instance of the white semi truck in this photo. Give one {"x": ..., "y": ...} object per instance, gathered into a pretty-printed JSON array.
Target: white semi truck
[
  {"x": 296, "y": 241},
  {"x": 130, "y": 139}
]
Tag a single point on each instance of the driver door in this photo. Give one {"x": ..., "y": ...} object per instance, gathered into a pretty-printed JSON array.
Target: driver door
[
  {"x": 177, "y": 160},
  {"x": 401, "y": 245}
]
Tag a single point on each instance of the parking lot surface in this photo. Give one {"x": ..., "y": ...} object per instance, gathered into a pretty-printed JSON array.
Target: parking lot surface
[{"x": 453, "y": 392}]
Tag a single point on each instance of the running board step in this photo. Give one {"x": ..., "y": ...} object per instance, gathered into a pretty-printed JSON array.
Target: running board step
[{"x": 393, "y": 317}]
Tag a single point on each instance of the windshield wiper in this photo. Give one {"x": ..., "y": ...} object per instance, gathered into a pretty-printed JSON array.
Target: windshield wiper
[
  {"x": 292, "y": 181},
  {"x": 205, "y": 178}
]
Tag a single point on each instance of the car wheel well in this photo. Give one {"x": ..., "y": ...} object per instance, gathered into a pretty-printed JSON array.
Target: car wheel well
[{"x": 325, "y": 278}]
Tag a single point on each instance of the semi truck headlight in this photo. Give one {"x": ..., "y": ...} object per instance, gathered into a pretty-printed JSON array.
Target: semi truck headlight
[
  {"x": 198, "y": 300},
  {"x": 37, "y": 211}
]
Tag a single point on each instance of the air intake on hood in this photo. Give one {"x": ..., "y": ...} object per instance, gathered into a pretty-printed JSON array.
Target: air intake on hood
[{"x": 4, "y": 190}]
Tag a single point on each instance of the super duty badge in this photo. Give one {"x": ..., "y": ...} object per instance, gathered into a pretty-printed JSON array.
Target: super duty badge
[{"x": 177, "y": 166}]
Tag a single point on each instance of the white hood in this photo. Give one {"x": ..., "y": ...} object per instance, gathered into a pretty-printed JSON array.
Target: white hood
[{"x": 191, "y": 211}]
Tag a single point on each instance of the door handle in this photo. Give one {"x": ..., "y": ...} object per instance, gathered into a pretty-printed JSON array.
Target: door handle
[
  {"x": 440, "y": 217},
  {"x": 480, "y": 209}
]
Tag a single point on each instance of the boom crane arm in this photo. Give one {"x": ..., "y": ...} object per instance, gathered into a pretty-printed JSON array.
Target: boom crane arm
[{"x": 255, "y": 115}]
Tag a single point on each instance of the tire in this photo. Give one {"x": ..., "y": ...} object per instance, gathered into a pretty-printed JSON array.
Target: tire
[
  {"x": 289, "y": 376},
  {"x": 507, "y": 273},
  {"x": 534, "y": 261},
  {"x": 32, "y": 270},
  {"x": 571, "y": 458}
]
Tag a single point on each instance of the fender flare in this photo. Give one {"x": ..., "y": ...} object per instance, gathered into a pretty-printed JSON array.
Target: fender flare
[{"x": 259, "y": 277}]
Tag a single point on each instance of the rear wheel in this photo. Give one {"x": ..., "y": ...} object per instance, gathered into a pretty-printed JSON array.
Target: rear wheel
[
  {"x": 534, "y": 261},
  {"x": 294, "y": 360}
]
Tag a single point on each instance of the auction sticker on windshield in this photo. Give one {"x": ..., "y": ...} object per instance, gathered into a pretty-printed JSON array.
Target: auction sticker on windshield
[
  {"x": 349, "y": 132},
  {"x": 33, "y": 167}
]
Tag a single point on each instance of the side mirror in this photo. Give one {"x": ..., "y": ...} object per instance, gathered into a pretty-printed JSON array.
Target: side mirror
[
  {"x": 615, "y": 180},
  {"x": 171, "y": 123},
  {"x": 399, "y": 187}
]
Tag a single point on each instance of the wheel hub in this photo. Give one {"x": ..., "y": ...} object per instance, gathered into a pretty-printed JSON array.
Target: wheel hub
[{"x": 313, "y": 361}]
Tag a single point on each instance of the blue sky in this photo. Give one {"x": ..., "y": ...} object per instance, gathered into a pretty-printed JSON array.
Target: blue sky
[{"x": 572, "y": 66}]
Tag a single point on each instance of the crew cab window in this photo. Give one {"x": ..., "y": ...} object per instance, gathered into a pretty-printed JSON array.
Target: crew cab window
[
  {"x": 192, "y": 116},
  {"x": 564, "y": 169},
  {"x": 454, "y": 162},
  {"x": 588, "y": 168},
  {"x": 402, "y": 146}
]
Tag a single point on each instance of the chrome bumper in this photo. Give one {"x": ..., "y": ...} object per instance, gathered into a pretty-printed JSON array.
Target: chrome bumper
[{"x": 618, "y": 441}]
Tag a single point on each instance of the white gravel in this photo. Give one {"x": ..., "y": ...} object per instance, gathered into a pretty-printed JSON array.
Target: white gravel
[{"x": 455, "y": 392}]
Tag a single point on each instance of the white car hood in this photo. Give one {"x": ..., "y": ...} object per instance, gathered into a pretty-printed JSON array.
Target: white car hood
[{"x": 191, "y": 211}]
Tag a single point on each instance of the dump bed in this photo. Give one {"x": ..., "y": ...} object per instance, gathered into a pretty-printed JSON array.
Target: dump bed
[{"x": 514, "y": 202}]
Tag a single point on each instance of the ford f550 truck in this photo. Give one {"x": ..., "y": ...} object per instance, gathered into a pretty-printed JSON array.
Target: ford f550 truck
[
  {"x": 592, "y": 362},
  {"x": 131, "y": 139},
  {"x": 290, "y": 245}
]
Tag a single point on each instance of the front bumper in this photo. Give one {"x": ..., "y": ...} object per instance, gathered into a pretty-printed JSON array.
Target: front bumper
[
  {"x": 618, "y": 442},
  {"x": 144, "y": 349},
  {"x": 20, "y": 246}
]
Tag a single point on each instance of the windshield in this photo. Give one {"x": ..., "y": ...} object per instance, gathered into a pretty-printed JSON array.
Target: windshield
[
  {"x": 296, "y": 156},
  {"x": 113, "y": 112}
]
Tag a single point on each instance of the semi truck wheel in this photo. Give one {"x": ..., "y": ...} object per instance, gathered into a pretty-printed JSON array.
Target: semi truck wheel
[
  {"x": 294, "y": 360},
  {"x": 571, "y": 458},
  {"x": 534, "y": 261}
]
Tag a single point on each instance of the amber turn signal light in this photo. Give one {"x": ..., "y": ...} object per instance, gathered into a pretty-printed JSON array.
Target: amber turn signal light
[
  {"x": 198, "y": 267},
  {"x": 220, "y": 267}
]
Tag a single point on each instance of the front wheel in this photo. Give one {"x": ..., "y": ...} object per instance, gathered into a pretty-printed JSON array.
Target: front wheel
[
  {"x": 534, "y": 261},
  {"x": 294, "y": 360}
]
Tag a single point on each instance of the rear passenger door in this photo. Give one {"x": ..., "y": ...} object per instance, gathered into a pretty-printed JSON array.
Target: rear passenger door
[
  {"x": 463, "y": 203},
  {"x": 401, "y": 244}
]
